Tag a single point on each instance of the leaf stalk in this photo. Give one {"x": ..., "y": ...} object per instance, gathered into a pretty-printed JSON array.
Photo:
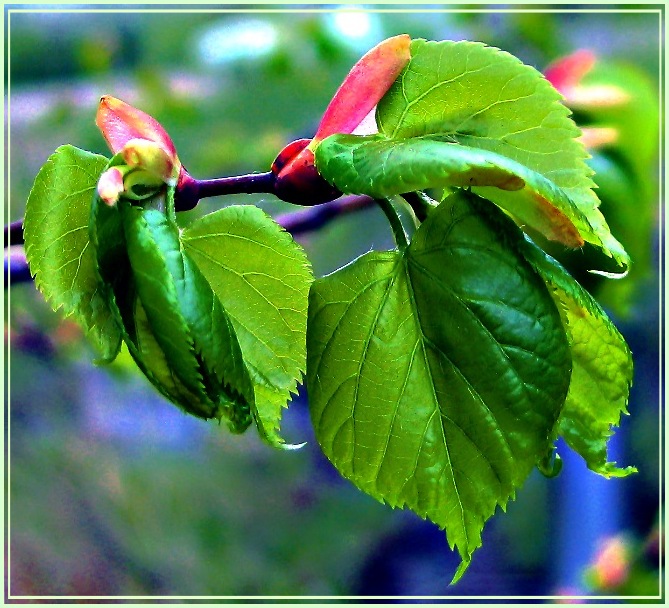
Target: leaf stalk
[{"x": 401, "y": 239}]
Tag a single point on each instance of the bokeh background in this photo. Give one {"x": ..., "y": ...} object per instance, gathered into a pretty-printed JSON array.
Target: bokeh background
[{"x": 114, "y": 492}]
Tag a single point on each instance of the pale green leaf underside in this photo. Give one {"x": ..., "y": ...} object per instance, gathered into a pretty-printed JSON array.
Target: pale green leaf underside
[
  {"x": 485, "y": 98},
  {"x": 262, "y": 277},
  {"x": 436, "y": 376},
  {"x": 57, "y": 243},
  {"x": 602, "y": 367},
  {"x": 379, "y": 167}
]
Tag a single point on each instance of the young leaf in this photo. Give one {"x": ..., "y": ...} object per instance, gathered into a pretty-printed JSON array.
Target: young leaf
[
  {"x": 482, "y": 97},
  {"x": 436, "y": 375},
  {"x": 262, "y": 277},
  {"x": 602, "y": 367},
  {"x": 186, "y": 318},
  {"x": 57, "y": 243}
]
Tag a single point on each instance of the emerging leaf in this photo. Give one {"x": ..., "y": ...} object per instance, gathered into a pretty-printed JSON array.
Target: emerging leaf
[
  {"x": 262, "y": 276},
  {"x": 187, "y": 319},
  {"x": 436, "y": 375},
  {"x": 57, "y": 243}
]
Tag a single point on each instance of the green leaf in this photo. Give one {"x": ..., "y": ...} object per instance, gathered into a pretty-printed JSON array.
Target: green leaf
[
  {"x": 436, "y": 375},
  {"x": 379, "y": 167},
  {"x": 482, "y": 97},
  {"x": 602, "y": 367},
  {"x": 186, "y": 319},
  {"x": 58, "y": 248},
  {"x": 262, "y": 277}
]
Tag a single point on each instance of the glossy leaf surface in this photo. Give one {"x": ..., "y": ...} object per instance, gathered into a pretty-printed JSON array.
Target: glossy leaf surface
[
  {"x": 57, "y": 243},
  {"x": 487, "y": 98},
  {"x": 436, "y": 375},
  {"x": 262, "y": 276}
]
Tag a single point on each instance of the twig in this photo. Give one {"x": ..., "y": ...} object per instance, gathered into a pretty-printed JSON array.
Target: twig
[
  {"x": 313, "y": 218},
  {"x": 295, "y": 222},
  {"x": 14, "y": 233},
  {"x": 191, "y": 190}
]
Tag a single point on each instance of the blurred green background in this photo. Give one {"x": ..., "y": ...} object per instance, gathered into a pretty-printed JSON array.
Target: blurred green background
[{"x": 114, "y": 492}]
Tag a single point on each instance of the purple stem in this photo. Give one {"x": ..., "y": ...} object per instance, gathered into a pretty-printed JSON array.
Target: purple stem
[
  {"x": 295, "y": 222},
  {"x": 191, "y": 190},
  {"x": 14, "y": 233}
]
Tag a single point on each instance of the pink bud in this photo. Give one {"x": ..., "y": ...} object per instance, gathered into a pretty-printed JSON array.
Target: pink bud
[
  {"x": 566, "y": 75},
  {"x": 120, "y": 123},
  {"x": 351, "y": 109},
  {"x": 366, "y": 83},
  {"x": 110, "y": 186},
  {"x": 567, "y": 72}
]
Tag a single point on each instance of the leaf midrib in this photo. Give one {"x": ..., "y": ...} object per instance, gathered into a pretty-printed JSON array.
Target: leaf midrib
[{"x": 403, "y": 261}]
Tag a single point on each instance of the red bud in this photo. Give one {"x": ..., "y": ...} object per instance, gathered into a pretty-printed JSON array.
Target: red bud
[{"x": 297, "y": 180}]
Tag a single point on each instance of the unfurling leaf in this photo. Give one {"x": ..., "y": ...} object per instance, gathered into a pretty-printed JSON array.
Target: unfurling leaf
[
  {"x": 187, "y": 319},
  {"x": 216, "y": 316},
  {"x": 436, "y": 375}
]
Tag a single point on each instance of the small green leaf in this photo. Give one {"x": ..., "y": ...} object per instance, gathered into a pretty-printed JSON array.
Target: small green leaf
[
  {"x": 262, "y": 277},
  {"x": 482, "y": 97},
  {"x": 436, "y": 375},
  {"x": 58, "y": 248},
  {"x": 186, "y": 319},
  {"x": 602, "y": 367}
]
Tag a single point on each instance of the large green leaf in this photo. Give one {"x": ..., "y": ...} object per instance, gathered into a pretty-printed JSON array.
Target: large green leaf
[
  {"x": 57, "y": 243},
  {"x": 436, "y": 375},
  {"x": 186, "y": 318},
  {"x": 602, "y": 367},
  {"x": 380, "y": 167},
  {"x": 485, "y": 98},
  {"x": 262, "y": 277}
]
